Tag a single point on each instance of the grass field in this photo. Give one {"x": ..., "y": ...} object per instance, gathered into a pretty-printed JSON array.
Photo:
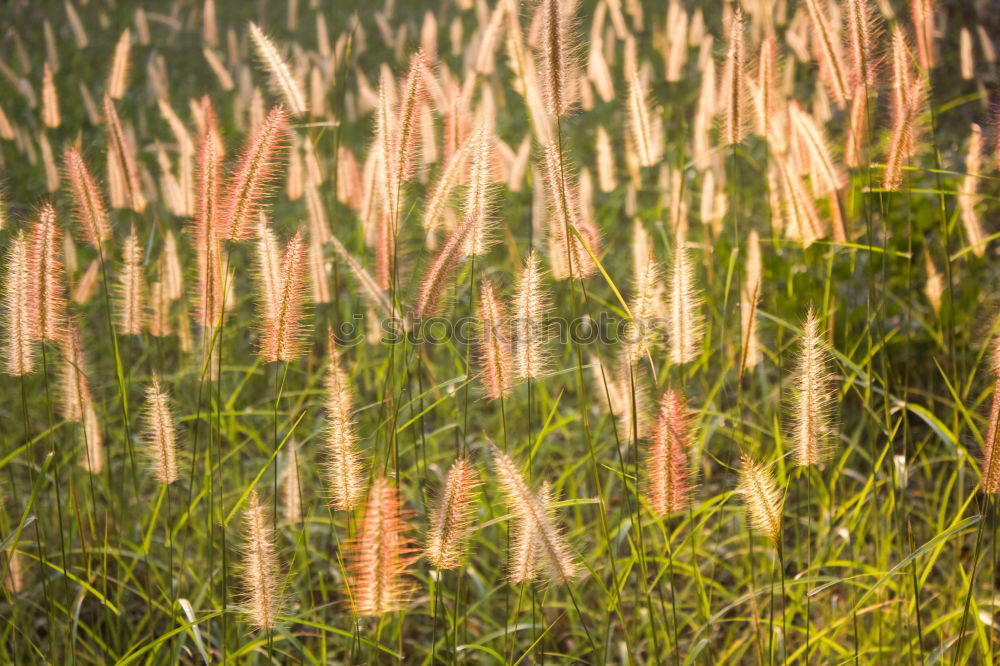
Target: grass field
[{"x": 481, "y": 331}]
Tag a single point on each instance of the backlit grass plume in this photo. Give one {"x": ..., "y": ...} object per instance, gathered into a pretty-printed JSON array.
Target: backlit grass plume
[
  {"x": 18, "y": 318},
  {"x": 812, "y": 396},
  {"x": 567, "y": 253},
  {"x": 734, "y": 82},
  {"x": 684, "y": 299},
  {"x": 131, "y": 312},
  {"x": 750, "y": 354},
  {"x": 48, "y": 297},
  {"x": 161, "y": 435},
  {"x": 123, "y": 174},
  {"x": 558, "y": 72},
  {"x": 342, "y": 465},
  {"x": 208, "y": 255},
  {"x": 261, "y": 602},
  {"x": 669, "y": 472},
  {"x": 762, "y": 497},
  {"x": 253, "y": 179},
  {"x": 381, "y": 554},
  {"x": 991, "y": 444},
  {"x": 438, "y": 274},
  {"x": 531, "y": 307},
  {"x": 494, "y": 346},
  {"x": 118, "y": 76},
  {"x": 832, "y": 66},
  {"x": 91, "y": 216},
  {"x": 281, "y": 75},
  {"x": 533, "y": 515},
  {"x": 452, "y": 516},
  {"x": 285, "y": 336},
  {"x": 74, "y": 386}
]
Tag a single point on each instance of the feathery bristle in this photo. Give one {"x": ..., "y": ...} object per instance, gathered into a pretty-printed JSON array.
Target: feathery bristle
[
  {"x": 477, "y": 199},
  {"x": 812, "y": 397},
  {"x": 494, "y": 347},
  {"x": 533, "y": 513},
  {"x": 121, "y": 156},
  {"x": 907, "y": 96},
  {"x": 268, "y": 268},
  {"x": 644, "y": 330},
  {"x": 934, "y": 287},
  {"x": 93, "y": 454},
  {"x": 118, "y": 77},
  {"x": 161, "y": 437},
  {"x": 343, "y": 464},
  {"x": 18, "y": 350},
  {"x": 437, "y": 275},
  {"x": 291, "y": 490},
  {"x": 762, "y": 497},
  {"x": 74, "y": 387},
  {"x": 750, "y": 354},
  {"x": 255, "y": 172},
  {"x": 568, "y": 255},
  {"x": 158, "y": 322},
  {"x": 669, "y": 474},
  {"x": 861, "y": 35},
  {"x": 452, "y": 516},
  {"x": 556, "y": 67},
  {"x": 968, "y": 191},
  {"x": 170, "y": 266},
  {"x": 260, "y": 573},
  {"x": 281, "y": 76},
  {"x": 50, "y": 99},
  {"x": 438, "y": 200},
  {"x": 90, "y": 213},
  {"x": 829, "y": 42},
  {"x": 648, "y": 145},
  {"x": 48, "y": 297},
  {"x": 525, "y": 549},
  {"x": 285, "y": 336},
  {"x": 991, "y": 445},
  {"x": 532, "y": 305},
  {"x": 766, "y": 92},
  {"x": 684, "y": 300},
  {"x": 825, "y": 175},
  {"x": 130, "y": 279},
  {"x": 734, "y": 81},
  {"x": 798, "y": 207},
  {"x": 206, "y": 227},
  {"x": 381, "y": 553},
  {"x": 923, "y": 12}
]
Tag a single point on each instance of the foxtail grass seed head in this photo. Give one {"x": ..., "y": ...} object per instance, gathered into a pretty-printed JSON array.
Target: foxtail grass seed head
[
  {"x": 50, "y": 99},
  {"x": 48, "y": 296},
  {"x": 88, "y": 204},
  {"x": 123, "y": 171},
  {"x": 343, "y": 463},
  {"x": 670, "y": 481},
  {"x": 686, "y": 325},
  {"x": 762, "y": 497},
  {"x": 863, "y": 31},
  {"x": 734, "y": 82},
  {"x": 438, "y": 274},
  {"x": 556, "y": 55},
  {"x": 260, "y": 574},
  {"x": 991, "y": 444},
  {"x": 131, "y": 312},
  {"x": 118, "y": 76},
  {"x": 750, "y": 354},
  {"x": 18, "y": 317},
  {"x": 281, "y": 75},
  {"x": 478, "y": 208},
  {"x": 254, "y": 178},
  {"x": 291, "y": 488},
  {"x": 161, "y": 435},
  {"x": 93, "y": 452},
  {"x": 832, "y": 66},
  {"x": 285, "y": 332},
  {"x": 382, "y": 553},
  {"x": 647, "y": 142},
  {"x": 569, "y": 256},
  {"x": 812, "y": 397},
  {"x": 531, "y": 307},
  {"x": 74, "y": 387},
  {"x": 533, "y": 513},
  {"x": 494, "y": 346},
  {"x": 644, "y": 331},
  {"x": 452, "y": 516}
]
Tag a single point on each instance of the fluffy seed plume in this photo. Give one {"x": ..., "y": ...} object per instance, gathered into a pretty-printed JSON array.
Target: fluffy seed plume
[
  {"x": 862, "y": 33},
  {"x": 647, "y": 142},
  {"x": 18, "y": 351},
  {"x": 684, "y": 302},
  {"x": 532, "y": 304},
  {"x": 206, "y": 226},
  {"x": 254, "y": 177},
  {"x": 285, "y": 334},
  {"x": 907, "y": 98},
  {"x": 556, "y": 66},
  {"x": 291, "y": 489},
  {"x": 281, "y": 75},
  {"x": 381, "y": 553},
  {"x": 991, "y": 445},
  {"x": 123, "y": 174},
  {"x": 568, "y": 255},
  {"x": 73, "y": 384},
  {"x": 437, "y": 202},
  {"x": 762, "y": 497},
  {"x": 532, "y": 513},
  {"x": 750, "y": 354},
  {"x": 494, "y": 347},
  {"x": 260, "y": 572},
  {"x": 268, "y": 268},
  {"x": 343, "y": 464},
  {"x": 161, "y": 436},
  {"x": 89, "y": 206},
  {"x": 48, "y": 297},
  {"x": 832, "y": 66},
  {"x": 118, "y": 77},
  {"x": 734, "y": 82},
  {"x": 452, "y": 516},
  {"x": 812, "y": 397},
  {"x": 644, "y": 330},
  {"x": 93, "y": 454},
  {"x": 50, "y": 99},
  {"x": 669, "y": 473},
  {"x": 130, "y": 308},
  {"x": 477, "y": 199},
  {"x": 437, "y": 275}
]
